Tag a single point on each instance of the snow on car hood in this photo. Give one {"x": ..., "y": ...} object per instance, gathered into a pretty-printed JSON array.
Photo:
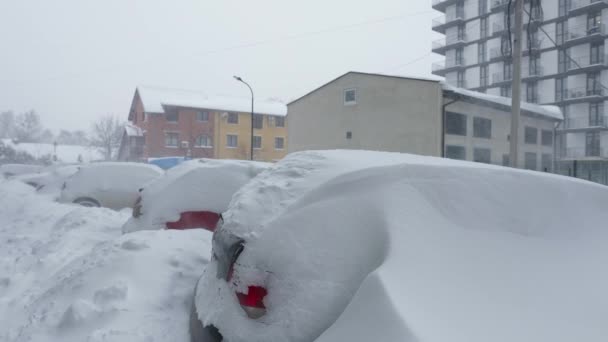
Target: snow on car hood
[
  {"x": 197, "y": 185},
  {"x": 423, "y": 249}
]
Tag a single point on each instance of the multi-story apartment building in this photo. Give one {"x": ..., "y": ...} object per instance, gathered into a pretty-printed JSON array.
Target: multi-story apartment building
[
  {"x": 172, "y": 122},
  {"x": 564, "y": 63}
]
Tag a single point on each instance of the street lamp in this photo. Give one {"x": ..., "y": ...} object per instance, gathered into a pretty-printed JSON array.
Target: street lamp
[{"x": 251, "y": 90}]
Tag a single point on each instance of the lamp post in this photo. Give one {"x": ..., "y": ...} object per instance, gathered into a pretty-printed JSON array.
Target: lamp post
[{"x": 251, "y": 90}]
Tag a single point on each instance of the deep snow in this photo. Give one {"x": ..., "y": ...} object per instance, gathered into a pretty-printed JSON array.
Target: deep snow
[{"x": 68, "y": 273}]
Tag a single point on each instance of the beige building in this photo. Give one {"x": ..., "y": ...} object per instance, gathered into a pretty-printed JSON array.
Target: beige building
[{"x": 420, "y": 116}]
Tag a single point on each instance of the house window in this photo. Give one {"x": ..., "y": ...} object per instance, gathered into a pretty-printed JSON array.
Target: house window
[
  {"x": 532, "y": 92},
  {"x": 560, "y": 88},
  {"x": 171, "y": 139},
  {"x": 349, "y": 135},
  {"x": 483, "y": 76},
  {"x": 546, "y": 164},
  {"x": 455, "y": 123},
  {"x": 455, "y": 152},
  {"x": 257, "y": 142},
  {"x": 546, "y": 137},
  {"x": 530, "y": 162},
  {"x": 482, "y": 128},
  {"x": 279, "y": 121},
  {"x": 171, "y": 114},
  {"x": 233, "y": 118},
  {"x": 202, "y": 116},
  {"x": 203, "y": 141},
  {"x": 483, "y": 7},
  {"x": 481, "y": 52},
  {"x": 232, "y": 140},
  {"x": 258, "y": 121},
  {"x": 596, "y": 114},
  {"x": 482, "y": 155},
  {"x": 279, "y": 143},
  {"x": 531, "y": 135},
  {"x": 350, "y": 96},
  {"x": 592, "y": 144},
  {"x": 597, "y": 53},
  {"x": 483, "y": 26}
]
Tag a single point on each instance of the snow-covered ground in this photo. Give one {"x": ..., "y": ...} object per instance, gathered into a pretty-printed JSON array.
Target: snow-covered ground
[
  {"x": 68, "y": 274},
  {"x": 65, "y": 153}
]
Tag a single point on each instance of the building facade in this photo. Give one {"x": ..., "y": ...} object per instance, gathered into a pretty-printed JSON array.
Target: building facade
[
  {"x": 419, "y": 116},
  {"x": 181, "y": 123},
  {"x": 564, "y": 63}
]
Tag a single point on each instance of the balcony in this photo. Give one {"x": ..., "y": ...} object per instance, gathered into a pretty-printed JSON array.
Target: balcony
[
  {"x": 529, "y": 74},
  {"x": 532, "y": 48},
  {"x": 496, "y": 55},
  {"x": 581, "y": 94},
  {"x": 450, "y": 65},
  {"x": 440, "y": 46},
  {"x": 586, "y": 64},
  {"x": 583, "y": 34},
  {"x": 498, "y": 5},
  {"x": 579, "y": 7},
  {"x": 590, "y": 152},
  {"x": 441, "y": 5},
  {"x": 584, "y": 123},
  {"x": 443, "y": 22},
  {"x": 500, "y": 78}
]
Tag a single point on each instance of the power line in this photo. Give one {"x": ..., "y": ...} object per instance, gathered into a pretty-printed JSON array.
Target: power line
[{"x": 400, "y": 66}]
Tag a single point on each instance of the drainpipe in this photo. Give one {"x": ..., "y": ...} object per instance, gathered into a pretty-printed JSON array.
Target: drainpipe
[{"x": 445, "y": 105}]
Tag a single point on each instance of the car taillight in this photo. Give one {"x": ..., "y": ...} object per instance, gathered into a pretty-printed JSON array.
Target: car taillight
[
  {"x": 252, "y": 302},
  {"x": 196, "y": 219},
  {"x": 137, "y": 207}
]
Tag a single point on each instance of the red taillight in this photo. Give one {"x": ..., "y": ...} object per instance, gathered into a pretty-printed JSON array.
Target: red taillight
[
  {"x": 253, "y": 301},
  {"x": 195, "y": 219}
]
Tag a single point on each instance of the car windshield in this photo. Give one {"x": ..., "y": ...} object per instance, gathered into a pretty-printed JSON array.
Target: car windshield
[{"x": 296, "y": 171}]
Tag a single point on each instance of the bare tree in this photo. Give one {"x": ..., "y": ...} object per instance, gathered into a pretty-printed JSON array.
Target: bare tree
[
  {"x": 106, "y": 135},
  {"x": 28, "y": 127},
  {"x": 7, "y": 124},
  {"x": 47, "y": 136}
]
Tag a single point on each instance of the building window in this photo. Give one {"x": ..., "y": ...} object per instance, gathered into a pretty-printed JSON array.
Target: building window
[
  {"x": 560, "y": 88},
  {"x": 202, "y": 116},
  {"x": 483, "y": 7},
  {"x": 546, "y": 163},
  {"x": 258, "y": 121},
  {"x": 232, "y": 140},
  {"x": 592, "y": 144},
  {"x": 459, "y": 57},
  {"x": 461, "y": 33},
  {"x": 482, "y": 128},
  {"x": 279, "y": 121},
  {"x": 460, "y": 83},
  {"x": 560, "y": 32},
  {"x": 482, "y": 155},
  {"x": 233, "y": 118},
  {"x": 481, "y": 52},
  {"x": 531, "y": 135},
  {"x": 483, "y": 76},
  {"x": 534, "y": 66},
  {"x": 349, "y": 135},
  {"x": 279, "y": 143},
  {"x": 350, "y": 96},
  {"x": 171, "y": 139},
  {"x": 546, "y": 137},
  {"x": 483, "y": 27},
  {"x": 505, "y": 91},
  {"x": 455, "y": 123},
  {"x": 257, "y": 142},
  {"x": 596, "y": 114},
  {"x": 171, "y": 114},
  {"x": 460, "y": 10},
  {"x": 594, "y": 84},
  {"x": 562, "y": 61},
  {"x": 507, "y": 70},
  {"x": 564, "y": 7},
  {"x": 532, "y": 92},
  {"x": 455, "y": 152},
  {"x": 594, "y": 20},
  {"x": 530, "y": 162},
  {"x": 505, "y": 45},
  {"x": 597, "y": 53},
  {"x": 203, "y": 141},
  {"x": 505, "y": 160}
]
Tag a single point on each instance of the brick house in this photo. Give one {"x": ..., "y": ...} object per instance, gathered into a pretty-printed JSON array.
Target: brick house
[{"x": 182, "y": 123}]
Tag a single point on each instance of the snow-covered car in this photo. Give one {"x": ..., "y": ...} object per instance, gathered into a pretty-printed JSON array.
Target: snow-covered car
[
  {"x": 112, "y": 185},
  {"x": 50, "y": 179},
  {"x": 191, "y": 195},
  {"x": 360, "y": 246},
  {"x": 12, "y": 170}
]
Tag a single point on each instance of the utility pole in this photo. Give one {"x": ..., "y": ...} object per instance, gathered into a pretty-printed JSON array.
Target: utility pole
[{"x": 516, "y": 85}]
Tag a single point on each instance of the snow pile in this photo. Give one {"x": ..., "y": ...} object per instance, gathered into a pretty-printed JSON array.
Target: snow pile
[
  {"x": 196, "y": 185},
  {"x": 65, "y": 153},
  {"x": 12, "y": 170},
  {"x": 68, "y": 274},
  {"x": 427, "y": 249}
]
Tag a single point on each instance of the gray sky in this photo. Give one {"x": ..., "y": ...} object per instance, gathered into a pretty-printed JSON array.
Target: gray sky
[{"x": 75, "y": 60}]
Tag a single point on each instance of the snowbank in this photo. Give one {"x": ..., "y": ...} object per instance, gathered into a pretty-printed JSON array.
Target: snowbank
[
  {"x": 423, "y": 249},
  {"x": 65, "y": 153},
  {"x": 68, "y": 274}
]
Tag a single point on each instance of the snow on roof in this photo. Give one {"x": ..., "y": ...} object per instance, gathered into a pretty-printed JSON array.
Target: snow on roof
[
  {"x": 133, "y": 131},
  {"x": 552, "y": 112},
  {"x": 154, "y": 98}
]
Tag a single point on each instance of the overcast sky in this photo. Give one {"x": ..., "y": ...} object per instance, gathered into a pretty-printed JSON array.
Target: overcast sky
[{"x": 75, "y": 60}]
